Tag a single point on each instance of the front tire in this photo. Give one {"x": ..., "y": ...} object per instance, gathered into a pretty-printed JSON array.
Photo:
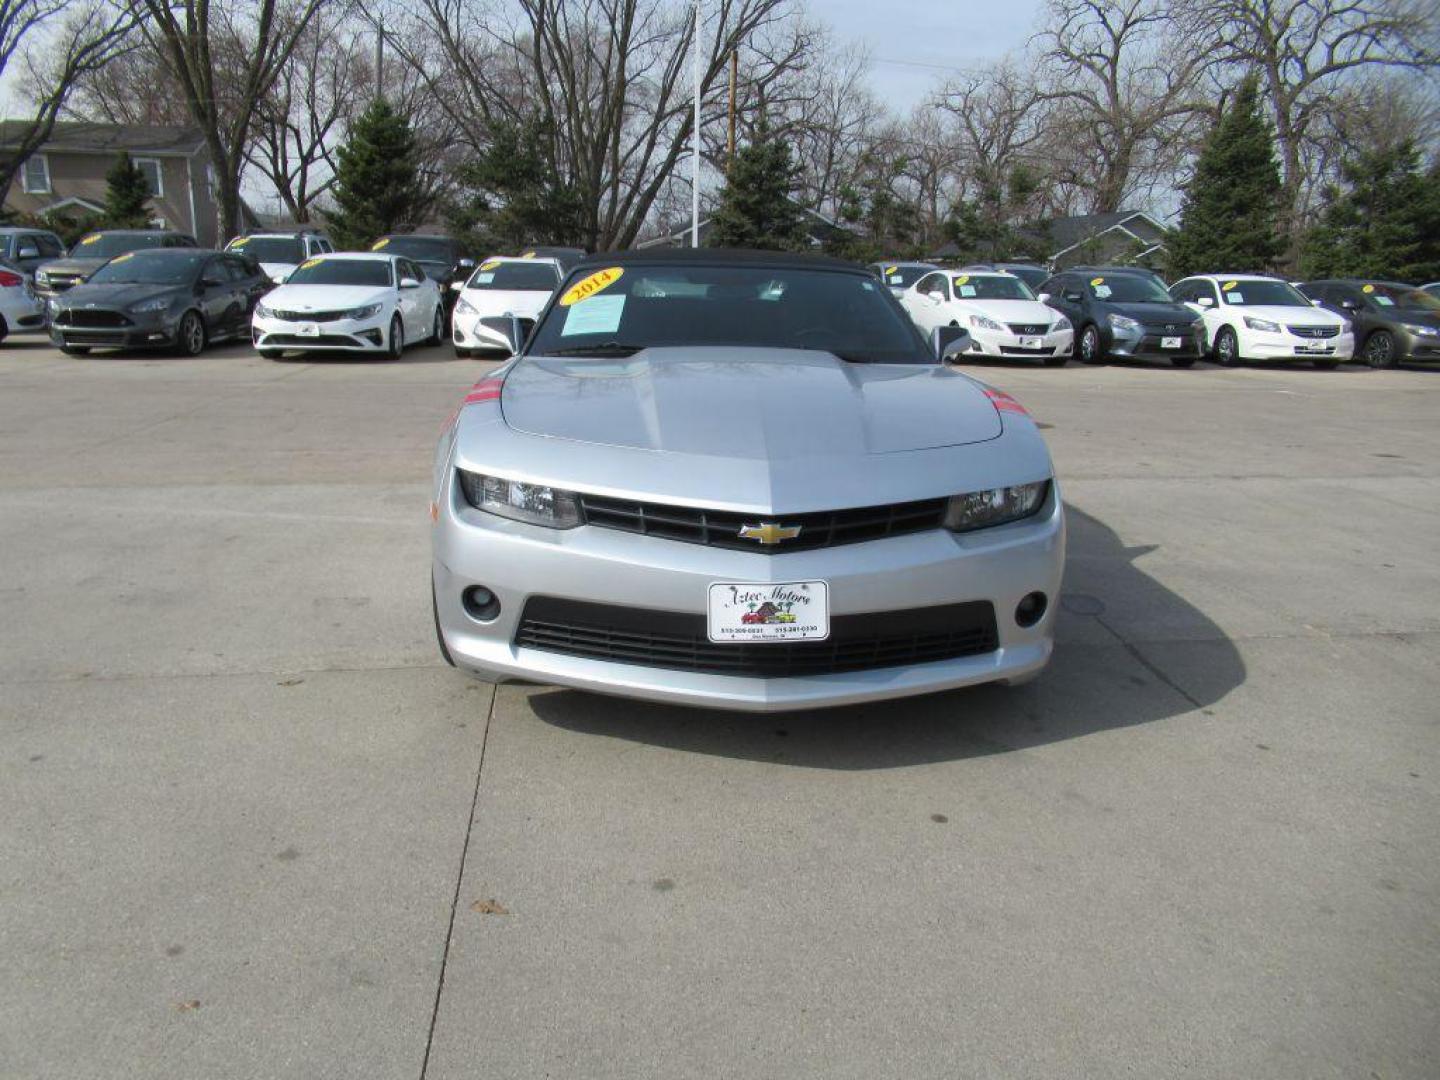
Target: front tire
[
  {"x": 1227, "y": 348},
  {"x": 396, "y": 341},
  {"x": 1380, "y": 349},
  {"x": 1089, "y": 347},
  {"x": 190, "y": 338},
  {"x": 437, "y": 329},
  {"x": 269, "y": 354}
]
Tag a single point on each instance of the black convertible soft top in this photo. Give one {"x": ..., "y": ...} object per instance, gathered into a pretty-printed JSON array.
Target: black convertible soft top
[{"x": 717, "y": 257}]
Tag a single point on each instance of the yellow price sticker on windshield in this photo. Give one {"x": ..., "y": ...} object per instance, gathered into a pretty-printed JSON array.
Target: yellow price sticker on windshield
[
  {"x": 583, "y": 290},
  {"x": 962, "y": 279},
  {"x": 382, "y": 242},
  {"x": 528, "y": 255},
  {"x": 1228, "y": 286},
  {"x": 122, "y": 258},
  {"x": 890, "y": 270},
  {"x": 91, "y": 239},
  {"x": 490, "y": 265},
  {"x": 309, "y": 263},
  {"x": 240, "y": 242},
  {"x": 1368, "y": 289},
  {"x": 1097, "y": 281}
]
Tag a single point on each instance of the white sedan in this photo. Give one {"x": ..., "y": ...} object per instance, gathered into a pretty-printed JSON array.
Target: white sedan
[
  {"x": 350, "y": 302},
  {"x": 998, "y": 309},
  {"x": 1252, "y": 317},
  {"x": 501, "y": 286}
]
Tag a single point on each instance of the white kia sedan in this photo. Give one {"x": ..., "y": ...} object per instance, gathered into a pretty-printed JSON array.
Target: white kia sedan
[
  {"x": 1252, "y": 317},
  {"x": 350, "y": 302},
  {"x": 998, "y": 309},
  {"x": 501, "y": 286}
]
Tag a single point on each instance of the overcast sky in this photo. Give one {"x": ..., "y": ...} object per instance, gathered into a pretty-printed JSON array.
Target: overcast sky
[{"x": 914, "y": 44}]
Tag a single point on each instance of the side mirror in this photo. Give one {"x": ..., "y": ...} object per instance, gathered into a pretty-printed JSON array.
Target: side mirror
[
  {"x": 513, "y": 329},
  {"x": 1317, "y": 303},
  {"x": 465, "y": 265},
  {"x": 458, "y": 284},
  {"x": 28, "y": 251},
  {"x": 936, "y": 297},
  {"x": 409, "y": 283},
  {"x": 210, "y": 283},
  {"x": 949, "y": 341},
  {"x": 1349, "y": 303},
  {"x": 1043, "y": 297},
  {"x": 1073, "y": 297},
  {"x": 1206, "y": 301}
]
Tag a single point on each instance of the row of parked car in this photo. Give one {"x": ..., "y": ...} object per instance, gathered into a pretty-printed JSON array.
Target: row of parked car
[{"x": 1097, "y": 312}]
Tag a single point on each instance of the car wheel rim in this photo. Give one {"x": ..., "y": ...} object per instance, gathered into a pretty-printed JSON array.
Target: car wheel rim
[
  {"x": 1087, "y": 345},
  {"x": 397, "y": 338},
  {"x": 1379, "y": 351},
  {"x": 194, "y": 335},
  {"x": 1225, "y": 348}
]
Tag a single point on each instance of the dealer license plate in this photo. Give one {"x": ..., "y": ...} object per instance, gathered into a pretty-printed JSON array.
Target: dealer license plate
[
  {"x": 1315, "y": 348},
  {"x": 743, "y": 611},
  {"x": 1030, "y": 342},
  {"x": 1171, "y": 342},
  {"x": 308, "y": 329}
]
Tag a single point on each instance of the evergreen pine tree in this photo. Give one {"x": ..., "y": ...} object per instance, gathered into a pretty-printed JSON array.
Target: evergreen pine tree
[
  {"x": 1231, "y": 213},
  {"x": 127, "y": 196},
  {"x": 757, "y": 208},
  {"x": 518, "y": 197},
  {"x": 1383, "y": 223},
  {"x": 375, "y": 188}
]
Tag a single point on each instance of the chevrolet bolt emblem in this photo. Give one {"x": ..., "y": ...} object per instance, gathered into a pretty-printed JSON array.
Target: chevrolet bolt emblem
[{"x": 769, "y": 532}]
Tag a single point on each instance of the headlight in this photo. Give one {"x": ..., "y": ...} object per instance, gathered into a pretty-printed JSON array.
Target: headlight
[
  {"x": 1120, "y": 322},
  {"x": 1263, "y": 325},
  {"x": 1426, "y": 331},
  {"x": 464, "y": 307},
  {"x": 532, "y": 503},
  {"x": 1198, "y": 326},
  {"x": 366, "y": 312},
  {"x": 1062, "y": 323},
  {"x": 982, "y": 509},
  {"x": 264, "y": 312},
  {"x": 985, "y": 324},
  {"x": 160, "y": 303}
]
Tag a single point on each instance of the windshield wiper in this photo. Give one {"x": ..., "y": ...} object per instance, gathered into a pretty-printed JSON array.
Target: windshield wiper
[{"x": 608, "y": 348}]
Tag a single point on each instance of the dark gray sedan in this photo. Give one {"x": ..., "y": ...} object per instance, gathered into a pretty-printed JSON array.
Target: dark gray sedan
[{"x": 1394, "y": 323}]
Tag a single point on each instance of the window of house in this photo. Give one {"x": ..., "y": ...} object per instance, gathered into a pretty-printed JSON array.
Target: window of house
[
  {"x": 35, "y": 178},
  {"x": 154, "y": 178}
]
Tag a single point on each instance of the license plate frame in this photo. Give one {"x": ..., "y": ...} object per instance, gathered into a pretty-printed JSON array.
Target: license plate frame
[
  {"x": 763, "y": 613},
  {"x": 307, "y": 329},
  {"x": 1172, "y": 342},
  {"x": 1032, "y": 343}
]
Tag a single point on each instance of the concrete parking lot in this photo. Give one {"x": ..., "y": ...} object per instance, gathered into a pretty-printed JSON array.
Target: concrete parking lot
[{"x": 250, "y": 825}]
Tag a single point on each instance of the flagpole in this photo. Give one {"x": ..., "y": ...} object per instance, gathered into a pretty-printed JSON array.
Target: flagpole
[{"x": 695, "y": 147}]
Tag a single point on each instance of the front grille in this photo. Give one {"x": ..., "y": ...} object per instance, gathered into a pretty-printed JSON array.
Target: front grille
[
  {"x": 86, "y": 317},
  {"x": 1168, "y": 330},
  {"x": 721, "y": 528},
  {"x": 344, "y": 341},
  {"x": 92, "y": 337},
  {"x": 311, "y": 316},
  {"x": 1016, "y": 350},
  {"x": 1315, "y": 331},
  {"x": 1028, "y": 329},
  {"x": 679, "y": 641}
]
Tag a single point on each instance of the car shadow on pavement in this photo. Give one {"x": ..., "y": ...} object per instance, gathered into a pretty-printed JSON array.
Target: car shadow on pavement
[{"x": 1118, "y": 635}]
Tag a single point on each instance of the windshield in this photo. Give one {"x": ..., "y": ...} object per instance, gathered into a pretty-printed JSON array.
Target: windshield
[
  {"x": 515, "y": 277},
  {"x": 270, "y": 249},
  {"x": 108, "y": 245},
  {"x": 620, "y": 310},
  {"x": 341, "y": 272},
  {"x": 150, "y": 268},
  {"x": 902, "y": 277},
  {"x": 990, "y": 287},
  {"x": 1401, "y": 296},
  {"x": 1034, "y": 276},
  {"x": 1267, "y": 293},
  {"x": 1127, "y": 289},
  {"x": 431, "y": 249}
]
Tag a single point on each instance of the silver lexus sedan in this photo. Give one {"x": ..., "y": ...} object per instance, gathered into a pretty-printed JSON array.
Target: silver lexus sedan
[{"x": 741, "y": 480}]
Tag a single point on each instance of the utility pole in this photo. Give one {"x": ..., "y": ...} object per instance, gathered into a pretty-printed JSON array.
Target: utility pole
[
  {"x": 379, "y": 60},
  {"x": 695, "y": 147},
  {"x": 734, "y": 80}
]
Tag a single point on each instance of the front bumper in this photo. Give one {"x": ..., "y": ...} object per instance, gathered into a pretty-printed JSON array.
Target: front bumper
[
  {"x": 340, "y": 335},
  {"x": 1149, "y": 343},
  {"x": 1004, "y": 343},
  {"x": 1265, "y": 345},
  {"x": 153, "y": 333},
  {"x": 1418, "y": 349},
  {"x": 604, "y": 566},
  {"x": 467, "y": 333}
]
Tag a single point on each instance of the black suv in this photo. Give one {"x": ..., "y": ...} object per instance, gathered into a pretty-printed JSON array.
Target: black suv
[
  {"x": 1125, "y": 313},
  {"x": 1394, "y": 323}
]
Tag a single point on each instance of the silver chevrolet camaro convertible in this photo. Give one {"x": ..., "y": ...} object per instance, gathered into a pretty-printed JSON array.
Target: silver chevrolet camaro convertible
[{"x": 741, "y": 480}]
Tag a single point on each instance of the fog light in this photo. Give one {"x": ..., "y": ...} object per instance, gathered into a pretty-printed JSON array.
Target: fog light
[
  {"x": 480, "y": 603},
  {"x": 1031, "y": 609}
]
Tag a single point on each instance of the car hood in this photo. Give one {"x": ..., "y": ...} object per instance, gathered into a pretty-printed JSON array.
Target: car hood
[
  {"x": 761, "y": 404},
  {"x": 118, "y": 295},
  {"x": 523, "y": 302},
  {"x": 73, "y": 266},
  {"x": 1414, "y": 316},
  {"x": 1012, "y": 311},
  {"x": 325, "y": 297},
  {"x": 1155, "y": 314},
  {"x": 1290, "y": 316}
]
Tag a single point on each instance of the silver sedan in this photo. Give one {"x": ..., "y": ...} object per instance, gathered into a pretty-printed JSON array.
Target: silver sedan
[{"x": 742, "y": 480}]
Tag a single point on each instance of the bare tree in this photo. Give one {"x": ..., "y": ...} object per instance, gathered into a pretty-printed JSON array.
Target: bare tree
[
  {"x": 193, "y": 34},
  {"x": 1305, "y": 51},
  {"x": 1129, "y": 72},
  {"x": 136, "y": 87},
  {"x": 60, "y": 43}
]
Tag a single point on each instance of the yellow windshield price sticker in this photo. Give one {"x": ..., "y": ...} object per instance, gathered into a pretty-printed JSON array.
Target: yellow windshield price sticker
[
  {"x": 1097, "y": 281},
  {"x": 490, "y": 265},
  {"x": 240, "y": 243},
  {"x": 1228, "y": 286},
  {"x": 962, "y": 279},
  {"x": 583, "y": 290},
  {"x": 1368, "y": 289},
  {"x": 890, "y": 270},
  {"x": 90, "y": 239},
  {"x": 122, "y": 258},
  {"x": 528, "y": 255},
  {"x": 379, "y": 244},
  {"x": 309, "y": 263}
]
